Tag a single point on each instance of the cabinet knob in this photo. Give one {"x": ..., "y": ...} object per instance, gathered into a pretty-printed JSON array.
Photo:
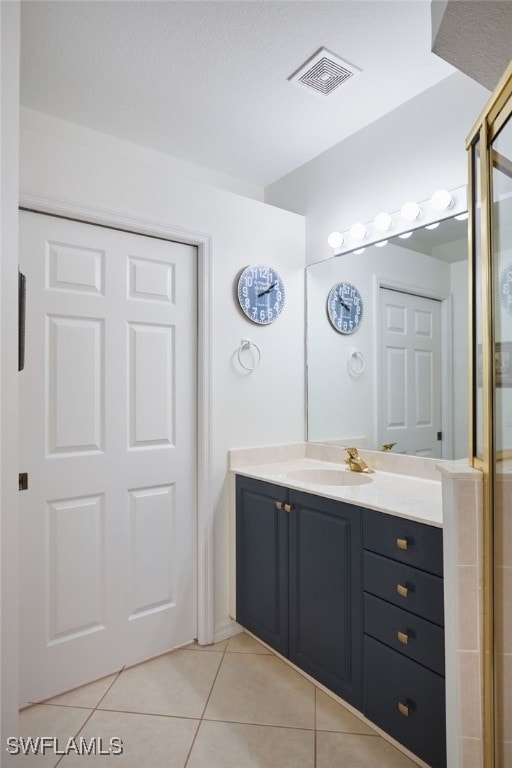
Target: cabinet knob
[
  {"x": 402, "y": 591},
  {"x": 403, "y": 709},
  {"x": 279, "y": 504},
  {"x": 403, "y": 637},
  {"x": 402, "y": 543},
  {"x": 287, "y": 507}
]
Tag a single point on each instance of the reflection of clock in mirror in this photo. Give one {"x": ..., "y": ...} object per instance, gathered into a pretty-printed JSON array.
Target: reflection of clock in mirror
[
  {"x": 506, "y": 288},
  {"x": 345, "y": 307},
  {"x": 261, "y": 294}
]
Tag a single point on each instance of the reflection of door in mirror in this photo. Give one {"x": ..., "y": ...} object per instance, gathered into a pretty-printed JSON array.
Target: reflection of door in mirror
[{"x": 409, "y": 402}]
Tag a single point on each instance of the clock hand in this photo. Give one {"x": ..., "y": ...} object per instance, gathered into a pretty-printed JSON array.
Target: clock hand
[
  {"x": 263, "y": 293},
  {"x": 343, "y": 304}
]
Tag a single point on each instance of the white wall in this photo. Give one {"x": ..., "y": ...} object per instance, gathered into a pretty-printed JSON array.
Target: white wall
[
  {"x": 264, "y": 408},
  {"x": 173, "y": 165},
  {"x": 9, "y": 85},
  {"x": 407, "y": 154}
]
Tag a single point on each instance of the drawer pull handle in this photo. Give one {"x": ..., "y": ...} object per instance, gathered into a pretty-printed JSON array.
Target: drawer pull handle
[
  {"x": 402, "y": 591},
  {"x": 403, "y": 709},
  {"x": 403, "y": 637},
  {"x": 402, "y": 543},
  {"x": 287, "y": 507},
  {"x": 279, "y": 504}
]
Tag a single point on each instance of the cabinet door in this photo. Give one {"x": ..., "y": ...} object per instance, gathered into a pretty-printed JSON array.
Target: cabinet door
[
  {"x": 326, "y": 593},
  {"x": 262, "y": 562}
]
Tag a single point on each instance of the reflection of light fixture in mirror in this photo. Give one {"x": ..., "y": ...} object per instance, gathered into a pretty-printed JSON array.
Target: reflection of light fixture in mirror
[
  {"x": 410, "y": 211},
  {"x": 441, "y": 200},
  {"x": 462, "y": 216},
  {"x": 433, "y": 226},
  {"x": 381, "y": 243},
  {"x": 405, "y": 235},
  {"x": 358, "y": 231},
  {"x": 335, "y": 239},
  {"x": 360, "y": 250},
  {"x": 383, "y": 222}
]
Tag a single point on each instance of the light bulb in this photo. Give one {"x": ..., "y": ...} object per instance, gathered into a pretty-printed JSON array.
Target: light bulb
[
  {"x": 405, "y": 235},
  {"x": 462, "y": 216},
  {"x": 432, "y": 226},
  {"x": 441, "y": 200},
  {"x": 360, "y": 250},
  {"x": 335, "y": 240},
  {"x": 383, "y": 222},
  {"x": 410, "y": 211},
  {"x": 381, "y": 244},
  {"x": 358, "y": 231}
]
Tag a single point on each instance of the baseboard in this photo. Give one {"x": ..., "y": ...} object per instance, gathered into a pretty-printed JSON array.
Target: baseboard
[{"x": 227, "y": 629}]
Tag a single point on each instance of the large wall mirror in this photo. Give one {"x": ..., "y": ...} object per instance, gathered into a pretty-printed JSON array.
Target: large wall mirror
[{"x": 402, "y": 375}]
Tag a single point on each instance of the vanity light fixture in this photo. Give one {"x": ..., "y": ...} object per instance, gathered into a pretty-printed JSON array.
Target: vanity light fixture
[
  {"x": 441, "y": 200},
  {"x": 335, "y": 240},
  {"x": 383, "y": 222},
  {"x": 410, "y": 211},
  {"x": 358, "y": 231},
  {"x": 442, "y": 204},
  {"x": 381, "y": 243}
]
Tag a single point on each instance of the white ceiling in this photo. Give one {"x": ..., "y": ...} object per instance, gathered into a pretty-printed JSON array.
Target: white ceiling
[{"x": 207, "y": 82}]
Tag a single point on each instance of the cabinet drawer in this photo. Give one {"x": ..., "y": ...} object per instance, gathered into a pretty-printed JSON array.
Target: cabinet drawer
[
  {"x": 408, "y": 588},
  {"x": 406, "y": 633},
  {"x": 404, "y": 540},
  {"x": 390, "y": 680}
]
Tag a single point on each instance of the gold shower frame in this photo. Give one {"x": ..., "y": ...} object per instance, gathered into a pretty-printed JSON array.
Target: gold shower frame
[{"x": 496, "y": 113}]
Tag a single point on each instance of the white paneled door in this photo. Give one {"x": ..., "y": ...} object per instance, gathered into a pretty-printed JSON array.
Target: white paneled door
[
  {"x": 410, "y": 373},
  {"x": 108, "y": 438}
]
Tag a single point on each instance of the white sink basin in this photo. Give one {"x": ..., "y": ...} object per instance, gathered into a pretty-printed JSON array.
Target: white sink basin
[{"x": 329, "y": 477}]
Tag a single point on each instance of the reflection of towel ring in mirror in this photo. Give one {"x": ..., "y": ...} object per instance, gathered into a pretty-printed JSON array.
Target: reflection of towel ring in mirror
[
  {"x": 355, "y": 363},
  {"x": 246, "y": 344}
]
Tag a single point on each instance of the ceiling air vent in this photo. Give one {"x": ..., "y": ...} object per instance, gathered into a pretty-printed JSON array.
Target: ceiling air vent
[{"x": 324, "y": 72}]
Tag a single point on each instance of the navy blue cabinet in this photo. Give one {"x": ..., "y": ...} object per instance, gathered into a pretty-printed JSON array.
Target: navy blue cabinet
[
  {"x": 403, "y": 659},
  {"x": 262, "y": 561},
  {"x": 299, "y": 580},
  {"x": 353, "y": 597}
]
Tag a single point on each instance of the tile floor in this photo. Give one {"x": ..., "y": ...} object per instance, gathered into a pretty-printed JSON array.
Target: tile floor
[{"x": 229, "y": 705}]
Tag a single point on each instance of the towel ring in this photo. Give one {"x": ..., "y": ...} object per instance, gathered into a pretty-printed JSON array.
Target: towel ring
[
  {"x": 355, "y": 363},
  {"x": 246, "y": 344}
]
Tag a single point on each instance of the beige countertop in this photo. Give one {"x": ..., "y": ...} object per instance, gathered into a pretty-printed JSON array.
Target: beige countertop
[{"x": 403, "y": 495}]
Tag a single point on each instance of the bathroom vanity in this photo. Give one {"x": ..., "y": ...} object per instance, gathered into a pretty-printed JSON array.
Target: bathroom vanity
[{"x": 342, "y": 574}]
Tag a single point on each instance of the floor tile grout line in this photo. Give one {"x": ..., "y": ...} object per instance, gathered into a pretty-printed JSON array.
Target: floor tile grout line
[
  {"x": 76, "y": 735},
  {"x": 91, "y": 713},
  {"x": 118, "y": 674},
  {"x": 260, "y": 725},
  {"x": 201, "y": 720}
]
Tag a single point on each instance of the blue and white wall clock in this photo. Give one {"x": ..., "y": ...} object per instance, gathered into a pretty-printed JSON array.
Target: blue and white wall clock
[
  {"x": 345, "y": 307},
  {"x": 261, "y": 293}
]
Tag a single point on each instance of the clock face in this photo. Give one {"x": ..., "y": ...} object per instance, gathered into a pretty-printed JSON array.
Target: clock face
[
  {"x": 261, "y": 294},
  {"x": 506, "y": 288},
  {"x": 345, "y": 307}
]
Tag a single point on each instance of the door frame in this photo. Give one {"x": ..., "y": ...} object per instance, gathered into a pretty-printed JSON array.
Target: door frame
[
  {"x": 446, "y": 300},
  {"x": 203, "y": 241}
]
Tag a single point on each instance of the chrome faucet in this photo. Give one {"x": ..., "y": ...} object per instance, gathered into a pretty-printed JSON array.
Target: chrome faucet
[{"x": 355, "y": 462}]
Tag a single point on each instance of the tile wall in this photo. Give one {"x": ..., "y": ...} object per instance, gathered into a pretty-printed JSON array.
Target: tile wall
[{"x": 462, "y": 518}]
